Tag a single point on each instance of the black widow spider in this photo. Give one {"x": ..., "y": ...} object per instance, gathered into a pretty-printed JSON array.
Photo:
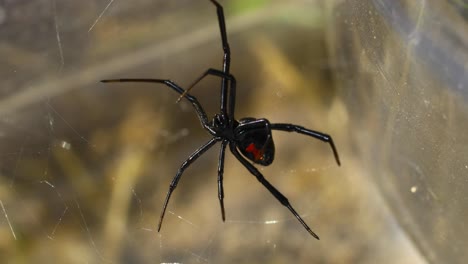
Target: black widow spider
[{"x": 249, "y": 136}]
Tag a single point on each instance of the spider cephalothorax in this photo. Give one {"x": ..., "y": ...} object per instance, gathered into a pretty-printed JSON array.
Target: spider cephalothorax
[{"x": 249, "y": 138}]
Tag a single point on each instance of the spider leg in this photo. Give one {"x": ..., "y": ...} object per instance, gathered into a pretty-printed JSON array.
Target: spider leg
[
  {"x": 218, "y": 73},
  {"x": 192, "y": 99},
  {"x": 182, "y": 168},
  {"x": 227, "y": 54},
  {"x": 222, "y": 153},
  {"x": 222, "y": 29},
  {"x": 312, "y": 133},
  {"x": 278, "y": 195},
  {"x": 226, "y": 65}
]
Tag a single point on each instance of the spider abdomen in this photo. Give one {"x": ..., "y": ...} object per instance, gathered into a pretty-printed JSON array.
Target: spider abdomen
[{"x": 254, "y": 140}]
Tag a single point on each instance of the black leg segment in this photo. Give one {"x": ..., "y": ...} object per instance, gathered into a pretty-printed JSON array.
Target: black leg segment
[
  {"x": 192, "y": 99},
  {"x": 227, "y": 53},
  {"x": 278, "y": 195},
  {"x": 312, "y": 133},
  {"x": 231, "y": 96},
  {"x": 181, "y": 170},
  {"x": 222, "y": 153}
]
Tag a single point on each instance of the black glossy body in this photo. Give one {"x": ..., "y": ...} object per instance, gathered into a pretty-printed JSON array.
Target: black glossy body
[
  {"x": 254, "y": 140},
  {"x": 247, "y": 138}
]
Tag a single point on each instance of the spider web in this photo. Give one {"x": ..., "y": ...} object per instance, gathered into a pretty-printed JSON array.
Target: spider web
[{"x": 85, "y": 166}]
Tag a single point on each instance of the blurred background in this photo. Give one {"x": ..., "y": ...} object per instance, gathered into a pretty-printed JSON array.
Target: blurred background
[{"x": 85, "y": 166}]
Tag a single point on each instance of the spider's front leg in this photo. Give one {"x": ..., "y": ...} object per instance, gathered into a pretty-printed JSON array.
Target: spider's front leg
[
  {"x": 230, "y": 101},
  {"x": 192, "y": 99}
]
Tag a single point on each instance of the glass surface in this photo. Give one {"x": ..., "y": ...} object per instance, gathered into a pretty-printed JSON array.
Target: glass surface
[
  {"x": 85, "y": 166},
  {"x": 401, "y": 68}
]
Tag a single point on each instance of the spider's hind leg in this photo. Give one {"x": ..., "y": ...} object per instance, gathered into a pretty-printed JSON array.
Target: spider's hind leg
[
  {"x": 278, "y": 195},
  {"x": 182, "y": 168},
  {"x": 222, "y": 153},
  {"x": 311, "y": 133}
]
